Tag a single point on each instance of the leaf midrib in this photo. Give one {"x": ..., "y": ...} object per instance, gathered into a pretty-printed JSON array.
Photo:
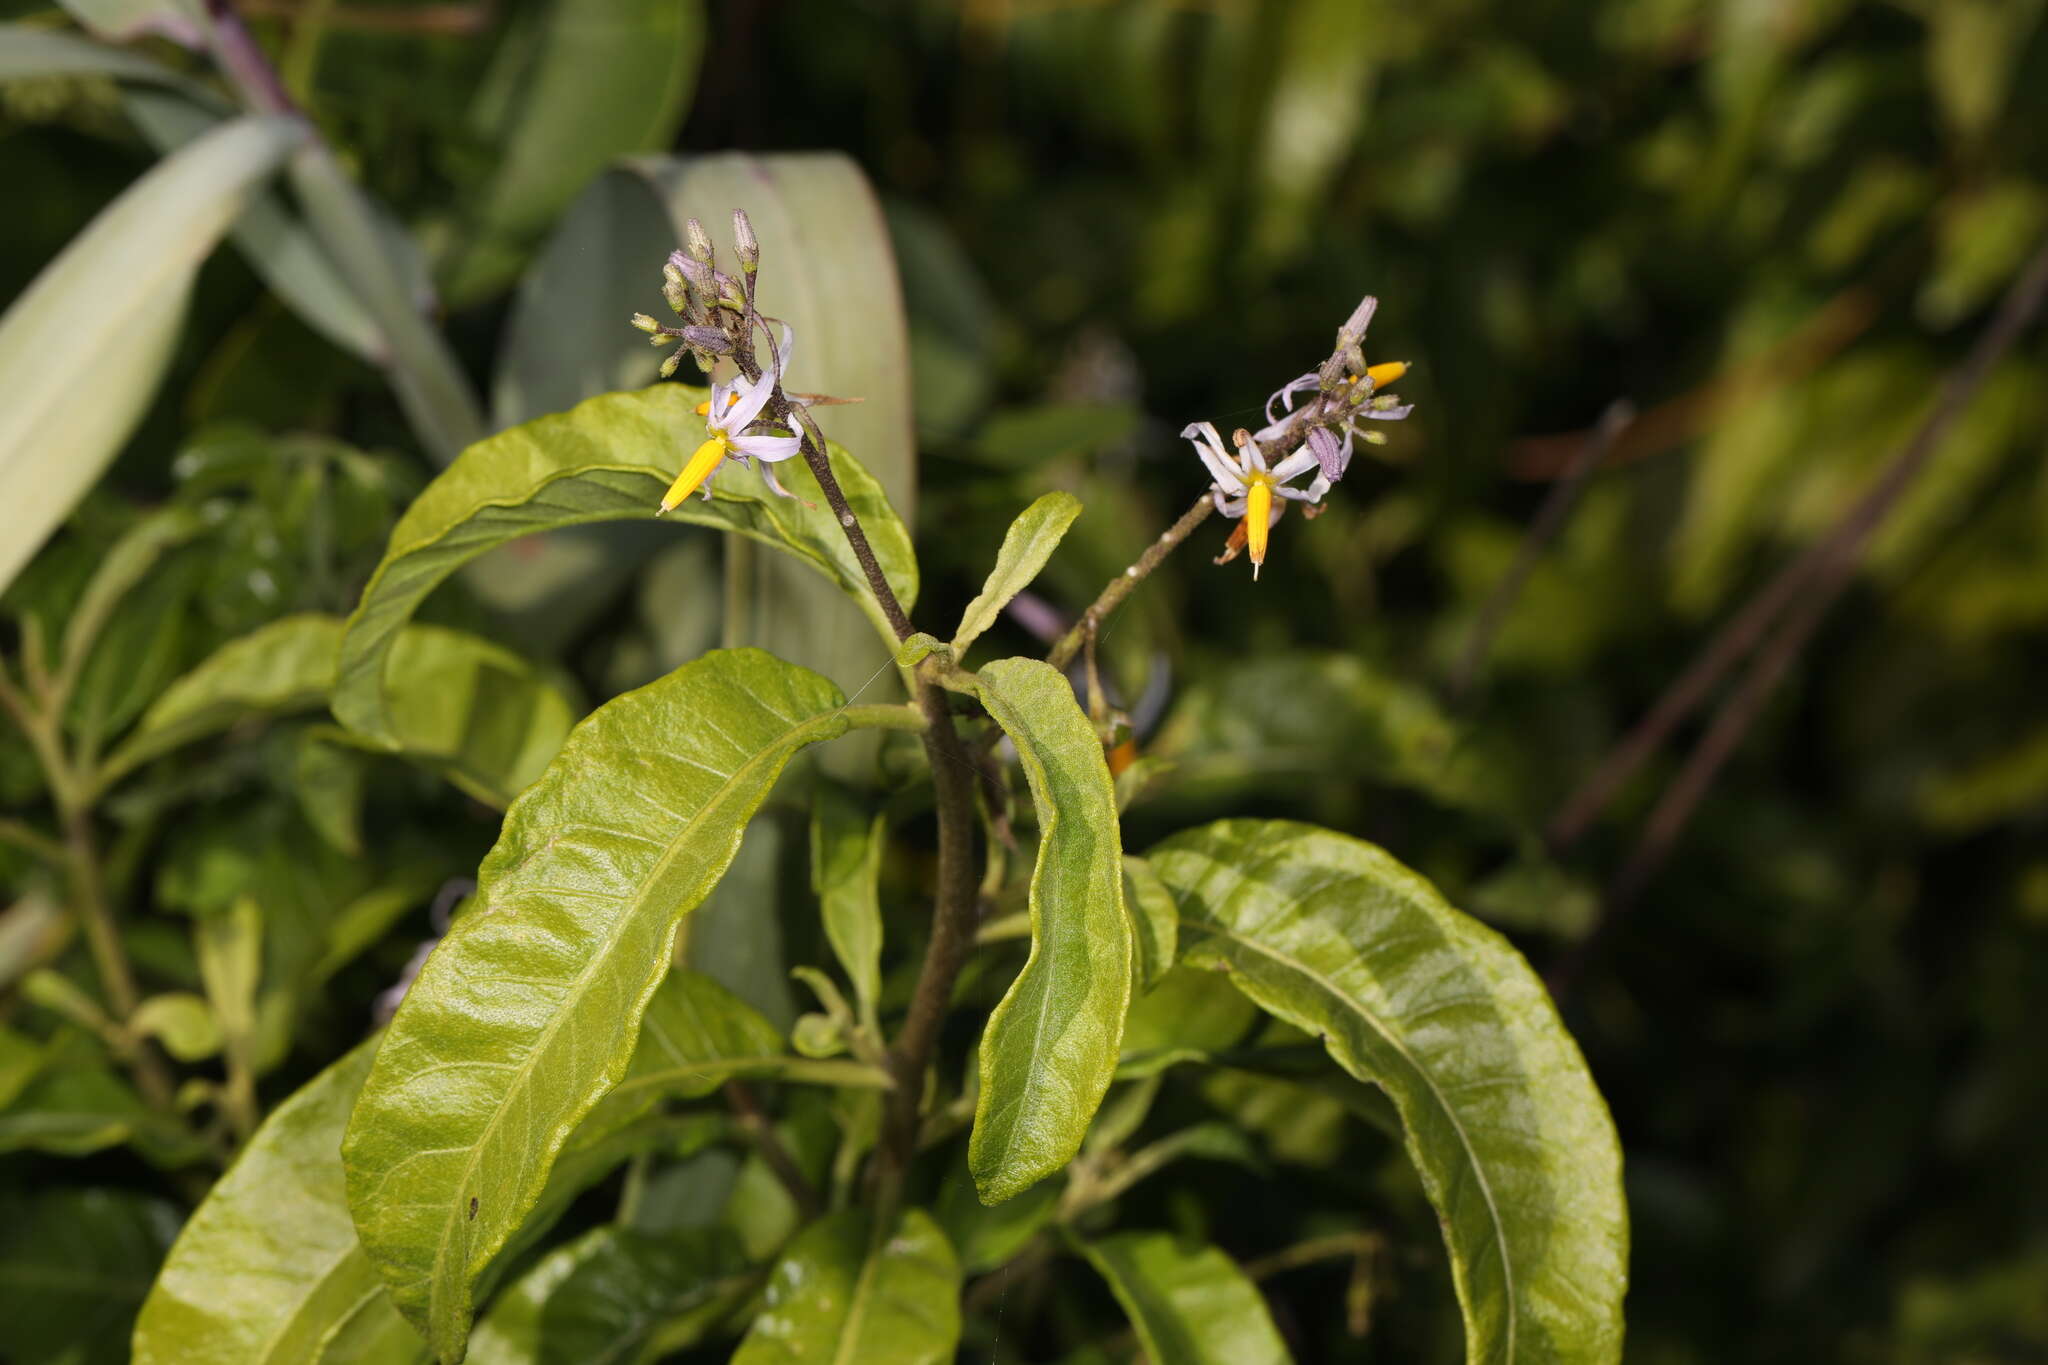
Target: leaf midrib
[
  {"x": 1507, "y": 1264},
  {"x": 582, "y": 980}
]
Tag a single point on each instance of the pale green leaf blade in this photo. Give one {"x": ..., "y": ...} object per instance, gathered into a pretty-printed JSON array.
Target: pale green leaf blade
[
  {"x": 1029, "y": 542},
  {"x": 475, "y": 711},
  {"x": 1051, "y": 1044},
  {"x": 1155, "y": 921},
  {"x": 1512, "y": 1141},
  {"x": 117, "y": 289},
  {"x": 614, "y": 1295},
  {"x": 847, "y": 1294},
  {"x": 126, "y": 563},
  {"x": 268, "y": 1271},
  {"x": 276, "y": 669},
  {"x": 607, "y": 459},
  {"x": 1191, "y": 1305},
  {"x": 74, "y": 1265},
  {"x": 27, "y": 51},
  {"x": 182, "y": 21},
  {"x": 846, "y": 867},
  {"x": 529, "y": 1009}
]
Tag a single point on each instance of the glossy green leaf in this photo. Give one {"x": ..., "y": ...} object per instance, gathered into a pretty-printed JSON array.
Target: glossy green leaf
[
  {"x": 74, "y": 1264},
  {"x": 1051, "y": 1044},
  {"x": 268, "y": 1271},
  {"x": 1155, "y": 922},
  {"x": 846, "y": 1290},
  {"x": 118, "y": 287},
  {"x": 846, "y": 867},
  {"x": 528, "y": 1011},
  {"x": 614, "y": 1295},
  {"x": 608, "y": 459},
  {"x": 1029, "y": 542},
  {"x": 1189, "y": 1304},
  {"x": 557, "y": 127},
  {"x": 696, "y": 1035},
  {"x": 1511, "y": 1139},
  {"x": 475, "y": 711}
]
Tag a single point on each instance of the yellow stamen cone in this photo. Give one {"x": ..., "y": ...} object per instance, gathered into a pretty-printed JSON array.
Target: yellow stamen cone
[
  {"x": 1258, "y": 512},
  {"x": 694, "y": 473},
  {"x": 1387, "y": 373},
  {"x": 704, "y": 408}
]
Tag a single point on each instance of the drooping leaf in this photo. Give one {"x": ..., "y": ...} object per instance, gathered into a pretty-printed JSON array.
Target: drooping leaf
[
  {"x": 269, "y": 1271},
  {"x": 846, "y": 1290},
  {"x": 614, "y": 1295},
  {"x": 74, "y": 1263},
  {"x": 1051, "y": 1044},
  {"x": 1029, "y": 542},
  {"x": 528, "y": 1011},
  {"x": 1512, "y": 1141},
  {"x": 846, "y": 864},
  {"x": 1189, "y": 1304},
  {"x": 118, "y": 288},
  {"x": 608, "y": 459}
]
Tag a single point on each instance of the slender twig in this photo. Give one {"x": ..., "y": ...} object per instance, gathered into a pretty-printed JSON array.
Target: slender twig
[
  {"x": 31, "y": 840},
  {"x": 856, "y": 536},
  {"x": 1549, "y": 521},
  {"x": 1120, "y": 587},
  {"x": 760, "y": 1130},
  {"x": 1830, "y": 570},
  {"x": 1844, "y": 540},
  {"x": 245, "y": 62}
]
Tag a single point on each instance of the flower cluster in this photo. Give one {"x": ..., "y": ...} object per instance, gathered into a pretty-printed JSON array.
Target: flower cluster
[
  {"x": 748, "y": 416},
  {"x": 1254, "y": 480}
]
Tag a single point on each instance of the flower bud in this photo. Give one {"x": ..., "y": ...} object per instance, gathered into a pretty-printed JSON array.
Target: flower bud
[
  {"x": 749, "y": 245},
  {"x": 646, "y": 324},
  {"x": 712, "y": 339},
  {"x": 698, "y": 241},
  {"x": 1353, "y": 330},
  {"x": 668, "y": 367},
  {"x": 697, "y": 273}
]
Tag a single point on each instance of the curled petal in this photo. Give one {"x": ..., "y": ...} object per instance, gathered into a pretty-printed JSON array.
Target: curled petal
[
  {"x": 1283, "y": 397},
  {"x": 767, "y": 448},
  {"x": 1209, "y": 446},
  {"x": 1297, "y": 464},
  {"x": 752, "y": 398},
  {"x": 1388, "y": 414}
]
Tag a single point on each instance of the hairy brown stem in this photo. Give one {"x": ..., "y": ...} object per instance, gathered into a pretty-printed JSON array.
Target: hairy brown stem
[
  {"x": 1120, "y": 587},
  {"x": 1844, "y": 540}
]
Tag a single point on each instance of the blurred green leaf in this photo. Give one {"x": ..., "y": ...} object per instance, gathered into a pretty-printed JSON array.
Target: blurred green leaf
[
  {"x": 1155, "y": 923},
  {"x": 846, "y": 1289},
  {"x": 182, "y": 21},
  {"x": 276, "y": 1228},
  {"x": 1513, "y": 1143},
  {"x": 1051, "y": 1044},
  {"x": 74, "y": 1266},
  {"x": 181, "y": 1021},
  {"x": 118, "y": 288},
  {"x": 614, "y": 1295},
  {"x": 475, "y": 1091},
  {"x": 1188, "y": 1304},
  {"x": 557, "y": 121},
  {"x": 1029, "y": 542},
  {"x": 846, "y": 867},
  {"x": 987, "y": 1235}
]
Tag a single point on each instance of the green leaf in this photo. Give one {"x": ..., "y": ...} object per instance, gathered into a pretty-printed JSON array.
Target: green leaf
[
  {"x": 276, "y": 1229},
  {"x": 26, "y": 51},
  {"x": 987, "y": 1236},
  {"x": 608, "y": 459},
  {"x": 1051, "y": 1044},
  {"x": 528, "y": 1011},
  {"x": 846, "y": 867},
  {"x": 181, "y": 1021},
  {"x": 1029, "y": 542},
  {"x": 118, "y": 288},
  {"x": 124, "y": 566},
  {"x": 182, "y": 21},
  {"x": 74, "y": 1264},
  {"x": 1513, "y": 1143},
  {"x": 558, "y": 127},
  {"x": 78, "y": 1106},
  {"x": 1155, "y": 921},
  {"x": 283, "y": 667},
  {"x": 1192, "y": 1306},
  {"x": 614, "y": 1295},
  {"x": 845, "y": 1292}
]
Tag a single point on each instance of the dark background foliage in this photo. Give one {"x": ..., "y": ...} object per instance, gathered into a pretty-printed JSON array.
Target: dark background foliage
[{"x": 1771, "y": 227}]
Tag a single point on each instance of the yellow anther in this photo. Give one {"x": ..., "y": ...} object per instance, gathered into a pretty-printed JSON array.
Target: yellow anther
[
  {"x": 694, "y": 473},
  {"x": 1387, "y": 373},
  {"x": 704, "y": 408},
  {"x": 1258, "y": 513}
]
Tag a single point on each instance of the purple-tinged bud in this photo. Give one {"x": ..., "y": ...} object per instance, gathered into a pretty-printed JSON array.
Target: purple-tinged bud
[
  {"x": 1353, "y": 330},
  {"x": 698, "y": 274},
  {"x": 1331, "y": 457},
  {"x": 698, "y": 241},
  {"x": 712, "y": 339},
  {"x": 749, "y": 245}
]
